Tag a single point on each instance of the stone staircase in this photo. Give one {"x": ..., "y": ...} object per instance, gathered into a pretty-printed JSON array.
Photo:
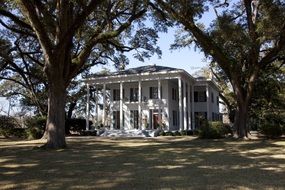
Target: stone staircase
[{"x": 127, "y": 133}]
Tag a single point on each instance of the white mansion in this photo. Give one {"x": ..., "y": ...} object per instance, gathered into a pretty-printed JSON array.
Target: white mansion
[{"x": 151, "y": 96}]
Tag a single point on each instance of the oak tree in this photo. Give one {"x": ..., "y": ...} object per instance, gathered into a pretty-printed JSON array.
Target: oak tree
[
  {"x": 71, "y": 33},
  {"x": 243, "y": 39}
]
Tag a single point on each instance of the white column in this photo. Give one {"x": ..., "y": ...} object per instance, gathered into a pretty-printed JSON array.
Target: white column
[
  {"x": 87, "y": 107},
  {"x": 180, "y": 104},
  {"x": 139, "y": 105},
  {"x": 112, "y": 115},
  {"x": 104, "y": 105},
  {"x": 111, "y": 110},
  {"x": 189, "y": 106},
  {"x": 121, "y": 106},
  {"x": 97, "y": 106},
  {"x": 184, "y": 106},
  {"x": 192, "y": 108},
  {"x": 208, "y": 102},
  {"x": 159, "y": 99}
]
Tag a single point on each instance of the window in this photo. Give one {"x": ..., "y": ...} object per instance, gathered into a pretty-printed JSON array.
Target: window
[
  {"x": 212, "y": 97},
  {"x": 134, "y": 94},
  {"x": 175, "y": 118},
  {"x": 200, "y": 96},
  {"x": 174, "y": 94},
  {"x": 217, "y": 100},
  {"x": 153, "y": 93},
  {"x": 135, "y": 119},
  {"x": 116, "y": 94}
]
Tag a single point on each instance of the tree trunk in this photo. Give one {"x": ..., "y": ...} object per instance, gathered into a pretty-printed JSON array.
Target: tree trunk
[
  {"x": 55, "y": 129},
  {"x": 241, "y": 118},
  {"x": 71, "y": 108}
]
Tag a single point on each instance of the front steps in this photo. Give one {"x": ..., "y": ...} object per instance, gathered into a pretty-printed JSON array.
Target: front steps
[{"x": 128, "y": 133}]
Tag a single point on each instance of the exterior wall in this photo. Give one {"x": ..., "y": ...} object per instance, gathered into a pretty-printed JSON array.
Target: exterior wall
[
  {"x": 200, "y": 106},
  {"x": 147, "y": 104},
  {"x": 214, "y": 106},
  {"x": 211, "y": 107}
]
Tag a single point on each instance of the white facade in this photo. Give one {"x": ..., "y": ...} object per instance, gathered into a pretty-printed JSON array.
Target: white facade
[
  {"x": 153, "y": 96},
  {"x": 206, "y": 105}
]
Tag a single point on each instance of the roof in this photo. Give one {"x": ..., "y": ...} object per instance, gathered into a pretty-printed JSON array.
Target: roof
[
  {"x": 143, "y": 72},
  {"x": 145, "y": 69}
]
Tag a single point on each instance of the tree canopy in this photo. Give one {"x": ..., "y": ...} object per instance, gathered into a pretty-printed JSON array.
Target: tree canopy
[
  {"x": 64, "y": 38},
  {"x": 243, "y": 39}
]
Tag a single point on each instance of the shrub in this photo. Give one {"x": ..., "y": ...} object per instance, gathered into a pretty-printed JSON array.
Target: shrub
[
  {"x": 15, "y": 132},
  {"x": 176, "y": 133},
  {"x": 35, "y": 126},
  {"x": 228, "y": 129},
  {"x": 212, "y": 130},
  {"x": 169, "y": 133},
  {"x": 271, "y": 130},
  {"x": 183, "y": 133},
  {"x": 76, "y": 125},
  {"x": 10, "y": 127},
  {"x": 272, "y": 126},
  {"x": 161, "y": 133},
  {"x": 190, "y": 132},
  {"x": 89, "y": 133}
]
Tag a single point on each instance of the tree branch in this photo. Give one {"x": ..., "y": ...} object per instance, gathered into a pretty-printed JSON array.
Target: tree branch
[
  {"x": 79, "y": 21},
  {"x": 202, "y": 39},
  {"x": 101, "y": 37},
  {"x": 29, "y": 10},
  {"x": 17, "y": 30},
  {"x": 15, "y": 19},
  {"x": 13, "y": 80},
  {"x": 274, "y": 53}
]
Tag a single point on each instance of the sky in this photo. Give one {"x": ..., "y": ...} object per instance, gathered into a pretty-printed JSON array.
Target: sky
[{"x": 186, "y": 58}]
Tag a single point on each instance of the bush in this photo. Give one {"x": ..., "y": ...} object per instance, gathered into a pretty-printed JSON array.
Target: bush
[
  {"x": 169, "y": 133},
  {"x": 176, "y": 133},
  {"x": 212, "y": 130},
  {"x": 190, "y": 133},
  {"x": 183, "y": 133},
  {"x": 89, "y": 133},
  {"x": 35, "y": 126},
  {"x": 76, "y": 125},
  {"x": 16, "y": 132},
  {"x": 228, "y": 129},
  {"x": 161, "y": 133},
  {"x": 10, "y": 127},
  {"x": 271, "y": 130},
  {"x": 272, "y": 126}
]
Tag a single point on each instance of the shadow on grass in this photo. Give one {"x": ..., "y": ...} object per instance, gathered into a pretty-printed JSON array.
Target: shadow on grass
[{"x": 160, "y": 163}]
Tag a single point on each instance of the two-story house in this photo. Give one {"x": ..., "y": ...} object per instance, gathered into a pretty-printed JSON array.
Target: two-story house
[{"x": 151, "y": 96}]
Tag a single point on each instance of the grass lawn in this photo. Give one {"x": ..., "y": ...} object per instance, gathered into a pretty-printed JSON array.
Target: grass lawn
[{"x": 138, "y": 163}]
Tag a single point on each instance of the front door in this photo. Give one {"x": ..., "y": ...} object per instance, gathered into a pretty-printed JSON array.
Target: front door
[
  {"x": 155, "y": 120},
  {"x": 116, "y": 118}
]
